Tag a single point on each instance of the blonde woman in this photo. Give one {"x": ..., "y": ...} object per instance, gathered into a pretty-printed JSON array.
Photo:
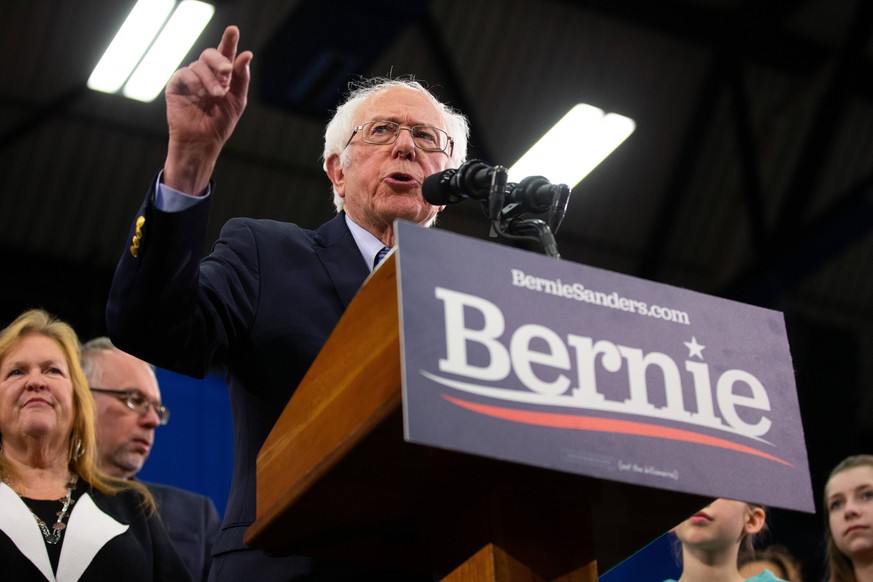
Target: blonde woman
[{"x": 60, "y": 517}]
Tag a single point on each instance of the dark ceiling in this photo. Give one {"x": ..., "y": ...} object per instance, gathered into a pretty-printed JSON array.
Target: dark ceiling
[{"x": 749, "y": 175}]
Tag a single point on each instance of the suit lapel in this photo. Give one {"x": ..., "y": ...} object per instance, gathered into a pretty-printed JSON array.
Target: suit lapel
[
  {"x": 341, "y": 258},
  {"x": 18, "y": 523}
]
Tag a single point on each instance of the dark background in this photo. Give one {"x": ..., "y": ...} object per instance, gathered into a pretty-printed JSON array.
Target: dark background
[{"x": 749, "y": 175}]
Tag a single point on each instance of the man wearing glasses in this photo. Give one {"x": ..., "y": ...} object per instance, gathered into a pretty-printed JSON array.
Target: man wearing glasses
[
  {"x": 266, "y": 298},
  {"x": 128, "y": 410}
]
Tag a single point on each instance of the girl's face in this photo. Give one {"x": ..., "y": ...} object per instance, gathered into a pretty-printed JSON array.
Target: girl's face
[
  {"x": 849, "y": 497},
  {"x": 722, "y": 523}
]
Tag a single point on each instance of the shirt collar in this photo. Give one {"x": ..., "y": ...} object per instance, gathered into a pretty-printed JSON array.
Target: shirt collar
[{"x": 368, "y": 244}]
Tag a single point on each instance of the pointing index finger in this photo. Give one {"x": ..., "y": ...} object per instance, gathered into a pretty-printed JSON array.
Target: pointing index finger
[{"x": 229, "y": 42}]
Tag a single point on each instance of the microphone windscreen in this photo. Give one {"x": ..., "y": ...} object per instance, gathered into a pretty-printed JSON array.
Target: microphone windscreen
[{"x": 437, "y": 190}]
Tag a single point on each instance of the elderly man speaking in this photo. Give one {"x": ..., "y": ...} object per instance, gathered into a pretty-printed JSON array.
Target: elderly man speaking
[{"x": 267, "y": 297}]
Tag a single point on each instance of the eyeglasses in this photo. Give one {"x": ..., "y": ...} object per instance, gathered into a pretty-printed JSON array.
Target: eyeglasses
[
  {"x": 425, "y": 137},
  {"x": 138, "y": 402}
]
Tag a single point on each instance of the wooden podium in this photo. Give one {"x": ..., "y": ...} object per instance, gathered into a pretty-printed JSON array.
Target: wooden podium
[{"x": 336, "y": 479}]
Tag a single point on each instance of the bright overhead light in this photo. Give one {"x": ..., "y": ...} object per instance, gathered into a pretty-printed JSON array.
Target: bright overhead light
[
  {"x": 568, "y": 152},
  {"x": 168, "y": 50},
  {"x": 143, "y": 74},
  {"x": 132, "y": 40}
]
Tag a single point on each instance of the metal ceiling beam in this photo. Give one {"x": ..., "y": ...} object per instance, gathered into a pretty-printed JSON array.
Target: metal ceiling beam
[
  {"x": 449, "y": 72},
  {"x": 798, "y": 248},
  {"x": 40, "y": 116},
  {"x": 841, "y": 226},
  {"x": 724, "y": 73},
  {"x": 158, "y": 135},
  {"x": 792, "y": 257},
  {"x": 826, "y": 122},
  {"x": 749, "y": 31},
  {"x": 752, "y": 188},
  {"x": 756, "y": 24},
  {"x": 676, "y": 190}
]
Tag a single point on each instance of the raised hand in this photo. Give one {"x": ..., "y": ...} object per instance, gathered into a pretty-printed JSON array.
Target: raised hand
[{"x": 204, "y": 103}]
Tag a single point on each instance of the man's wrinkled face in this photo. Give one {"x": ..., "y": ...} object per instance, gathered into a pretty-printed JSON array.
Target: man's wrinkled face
[
  {"x": 382, "y": 182},
  {"x": 124, "y": 436}
]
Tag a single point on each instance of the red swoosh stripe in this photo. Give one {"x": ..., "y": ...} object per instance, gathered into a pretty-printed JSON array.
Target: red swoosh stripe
[{"x": 607, "y": 425}]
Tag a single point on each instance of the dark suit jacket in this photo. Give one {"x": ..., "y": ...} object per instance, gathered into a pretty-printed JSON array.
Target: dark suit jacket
[
  {"x": 263, "y": 303},
  {"x": 193, "y": 524}
]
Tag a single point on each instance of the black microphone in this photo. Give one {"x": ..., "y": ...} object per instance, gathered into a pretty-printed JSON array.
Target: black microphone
[
  {"x": 533, "y": 194},
  {"x": 471, "y": 180}
]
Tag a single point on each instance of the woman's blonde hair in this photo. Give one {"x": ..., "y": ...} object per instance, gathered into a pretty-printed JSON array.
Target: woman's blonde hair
[{"x": 82, "y": 440}]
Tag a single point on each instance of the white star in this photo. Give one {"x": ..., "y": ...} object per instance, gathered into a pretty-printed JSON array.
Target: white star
[{"x": 694, "y": 348}]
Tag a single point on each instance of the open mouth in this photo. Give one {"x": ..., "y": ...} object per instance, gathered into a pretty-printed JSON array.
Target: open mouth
[{"x": 402, "y": 178}]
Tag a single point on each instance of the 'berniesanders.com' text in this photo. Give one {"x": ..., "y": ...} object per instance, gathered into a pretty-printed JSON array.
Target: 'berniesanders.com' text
[{"x": 578, "y": 292}]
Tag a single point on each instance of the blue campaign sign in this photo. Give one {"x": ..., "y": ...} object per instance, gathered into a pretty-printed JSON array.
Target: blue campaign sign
[{"x": 515, "y": 356}]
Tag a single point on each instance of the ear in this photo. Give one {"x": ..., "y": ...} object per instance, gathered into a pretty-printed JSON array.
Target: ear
[
  {"x": 755, "y": 520},
  {"x": 337, "y": 175}
]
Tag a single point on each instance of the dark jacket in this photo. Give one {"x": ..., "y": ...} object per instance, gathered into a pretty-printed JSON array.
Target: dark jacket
[
  {"x": 107, "y": 538},
  {"x": 263, "y": 303},
  {"x": 192, "y": 523}
]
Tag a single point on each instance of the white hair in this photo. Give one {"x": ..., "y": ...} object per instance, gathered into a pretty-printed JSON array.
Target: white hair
[{"x": 341, "y": 126}]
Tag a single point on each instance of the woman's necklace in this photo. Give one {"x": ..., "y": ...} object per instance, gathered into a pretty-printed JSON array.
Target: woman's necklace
[{"x": 54, "y": 536}]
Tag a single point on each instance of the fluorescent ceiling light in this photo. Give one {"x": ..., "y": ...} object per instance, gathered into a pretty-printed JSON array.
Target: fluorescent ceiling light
[
  {"x": 568, "y": 152},
  {"x": 138, "y": 35},
  {"x": 168, "y": 50},
  {"x": 129, "y": 44}
]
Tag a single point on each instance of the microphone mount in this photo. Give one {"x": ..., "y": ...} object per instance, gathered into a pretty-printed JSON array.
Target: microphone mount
[
  {"x": 506, "y": 204},
  {"x": 506, "y": 212}
]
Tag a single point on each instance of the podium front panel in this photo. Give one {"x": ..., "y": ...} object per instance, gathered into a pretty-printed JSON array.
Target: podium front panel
[{"x": 515, "y": 356}]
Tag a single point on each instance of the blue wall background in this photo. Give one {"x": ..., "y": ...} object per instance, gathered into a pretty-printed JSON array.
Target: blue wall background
[
  {"x": 653, "y": 563},
  {"x": 195, "y": 449}
]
